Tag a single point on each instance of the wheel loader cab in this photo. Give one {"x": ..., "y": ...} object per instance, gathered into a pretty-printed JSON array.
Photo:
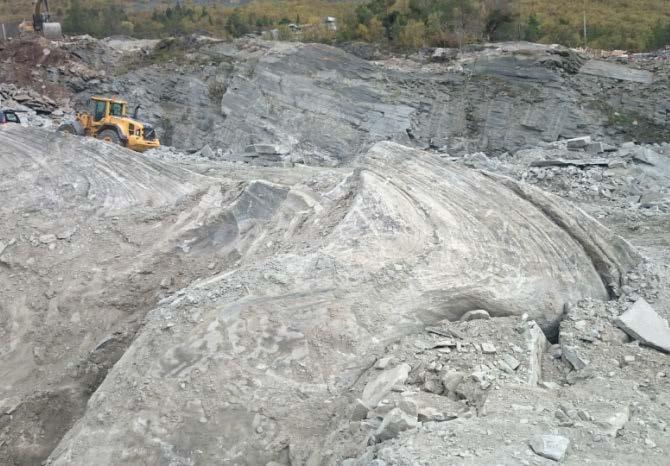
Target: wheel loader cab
[
  {"x": 99, "y": 109},
  {"x": 102, "y": 109},
  {"x": 117, "y": 109}
]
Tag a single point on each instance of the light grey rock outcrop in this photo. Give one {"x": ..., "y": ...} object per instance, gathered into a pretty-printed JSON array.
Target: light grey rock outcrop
[
  {"x": 275, "y": 352},
  {"x": 616, "y": 71},
  {"x": 326, "y": 106},
  {"x": 537, "y": 345}
]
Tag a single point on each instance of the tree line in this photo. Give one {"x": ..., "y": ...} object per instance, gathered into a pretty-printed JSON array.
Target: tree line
[{"x": 397, "y": 24}]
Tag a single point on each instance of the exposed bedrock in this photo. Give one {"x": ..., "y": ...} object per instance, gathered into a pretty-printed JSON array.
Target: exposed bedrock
[
  {"x": 91, "y": 237},
  {"x": 325, "y": 106},
  {"x": 255, "y": 364}
]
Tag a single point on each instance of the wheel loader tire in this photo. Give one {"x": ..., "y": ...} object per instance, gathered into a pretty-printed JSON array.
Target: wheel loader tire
[
  {"x": 72, "y": 127},
  {"x": 109, "y": 135}
]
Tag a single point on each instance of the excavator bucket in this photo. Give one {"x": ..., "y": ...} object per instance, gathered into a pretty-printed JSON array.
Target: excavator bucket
[{"x": 52, "y": 31}]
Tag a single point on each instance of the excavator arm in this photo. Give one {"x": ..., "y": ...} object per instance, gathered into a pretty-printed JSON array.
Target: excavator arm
[
  {"x": 42, "y": 20},
  {"x": 38, "y": 7}
]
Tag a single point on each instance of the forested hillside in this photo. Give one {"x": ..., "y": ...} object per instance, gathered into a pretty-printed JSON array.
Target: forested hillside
[{"x": 401, "y": 24}]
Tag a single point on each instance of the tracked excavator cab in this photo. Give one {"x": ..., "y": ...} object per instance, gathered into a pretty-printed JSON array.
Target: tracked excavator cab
[{"x": 108, "y": 120}]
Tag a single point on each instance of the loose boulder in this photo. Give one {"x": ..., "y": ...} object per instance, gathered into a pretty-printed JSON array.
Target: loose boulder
[
  {"x": 550, "y": 446},
  {"x": 377, "y": 388},
  {"x": 643, "y": 323},
  {"x": 395, "y": 422}
]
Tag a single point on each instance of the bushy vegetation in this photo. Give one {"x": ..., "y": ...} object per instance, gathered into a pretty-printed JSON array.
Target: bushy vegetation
[
  {"x": 611, "y": 24},
  {"x": 660, "y": 35},
  {"x": 400, "y": 24},
  {"x": 633, "y": 25},
  {"x": 409, "y": 24},
  {"x": 98, "y": 20}
]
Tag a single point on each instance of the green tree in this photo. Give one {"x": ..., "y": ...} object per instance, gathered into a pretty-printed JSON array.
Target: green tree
[
  {"x": 348, "y": 28},
  {"x": 74, "y": 18},
  {"x": 363, "y": 14},
  {"x": 563, "y": 33},
  {"x": 659, "y": 36},
  {"x": 108, "y": 20},
  {"x": 412, "y": 35},
  {"x": 235, "y": 25},
  {"x": 533, "y": 32},
  {"x": 375, "y": 31},
  {"x": 501, "y": 21}
]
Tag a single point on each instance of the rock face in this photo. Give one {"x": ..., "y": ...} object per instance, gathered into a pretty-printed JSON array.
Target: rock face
[
  {"x": 615, "y": 71},
  {"x": 270, "y": 351},
  {"x": 28, "y": 98},
  {"x": 326, "y": 106}
]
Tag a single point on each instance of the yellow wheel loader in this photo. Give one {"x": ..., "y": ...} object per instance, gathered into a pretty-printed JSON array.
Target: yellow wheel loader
[
  {"x": 42, "y": 23},
  {"x": 109, "y": 121}
]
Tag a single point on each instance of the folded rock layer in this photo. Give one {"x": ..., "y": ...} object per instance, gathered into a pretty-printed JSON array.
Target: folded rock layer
[{"x": 255, "y": 365}]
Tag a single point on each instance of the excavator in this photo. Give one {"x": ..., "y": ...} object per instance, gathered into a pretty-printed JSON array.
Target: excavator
[
  {"x": 41, "y": 23},
  {"x": 108, "y": 120}
]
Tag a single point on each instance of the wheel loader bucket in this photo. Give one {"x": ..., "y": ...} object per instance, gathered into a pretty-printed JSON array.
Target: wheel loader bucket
[{"x": 52, "y": 31}]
